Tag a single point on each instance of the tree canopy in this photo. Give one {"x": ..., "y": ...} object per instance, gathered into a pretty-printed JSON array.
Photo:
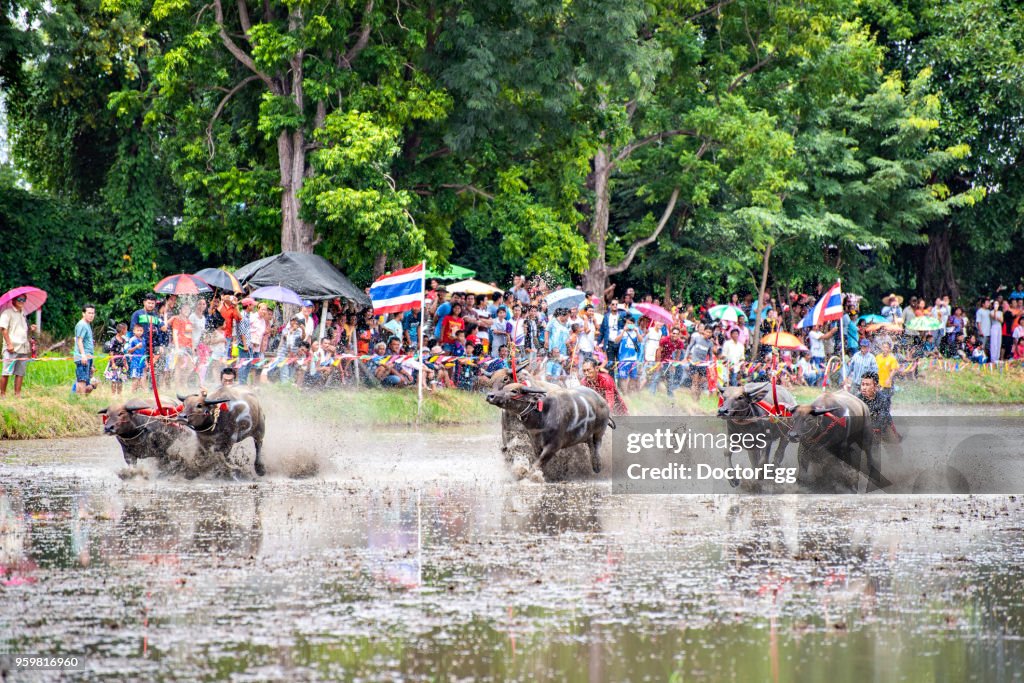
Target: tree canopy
[{"x": 690, "y": 146}]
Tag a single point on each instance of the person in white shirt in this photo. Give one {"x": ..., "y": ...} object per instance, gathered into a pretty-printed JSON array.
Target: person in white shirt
[
  {"x": 982, "y": 322},
  {"x": 817, "y": 345},
  {"x": 734, "y": 354},
  {"x": 585, "y": 344}
]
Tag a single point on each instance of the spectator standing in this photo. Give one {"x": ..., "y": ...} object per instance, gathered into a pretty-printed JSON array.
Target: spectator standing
[
  {"x": 995, "y": 332},
  {"x": 982, "y": 321},
  {"x": 136, "y": 350},
  {"x": 610, "y": 333},
  {"x": 734, "y": 354},
  {"x": 14, "y": 328},
  {"x": 861, "y": 362},
  {"x": 699, "y": 353},
  {"x": 84, "y": 352}
]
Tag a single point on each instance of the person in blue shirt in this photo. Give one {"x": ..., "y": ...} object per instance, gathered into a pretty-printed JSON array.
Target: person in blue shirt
[
  {"x": 628, "y": 369},
  {"x": 135, "y": 349},
  {"x": 558, "y": 332},
  {"x": 554, "y": 371},
  {"x": 863, "y": 361},
  {"x": 84, "y": 351}
]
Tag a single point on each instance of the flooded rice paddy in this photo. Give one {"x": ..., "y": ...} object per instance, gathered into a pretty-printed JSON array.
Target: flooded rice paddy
[{"x": 414, "y": 556}]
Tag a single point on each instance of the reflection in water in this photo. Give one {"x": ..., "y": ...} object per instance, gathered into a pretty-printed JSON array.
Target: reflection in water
[{"x": 486, "y": 579}]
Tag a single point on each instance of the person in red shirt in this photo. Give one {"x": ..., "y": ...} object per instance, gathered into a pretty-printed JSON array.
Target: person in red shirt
[
  {"x": 450, "y": 324},
  {"x": 181, "y": 344},
  {"x": 229, "y": 311},
  {"x": 603, "y": 384},
  {"x": 670, "y": 348}
]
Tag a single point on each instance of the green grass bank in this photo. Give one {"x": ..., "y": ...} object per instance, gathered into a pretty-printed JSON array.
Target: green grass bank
[{"x": 49, "y": 410}]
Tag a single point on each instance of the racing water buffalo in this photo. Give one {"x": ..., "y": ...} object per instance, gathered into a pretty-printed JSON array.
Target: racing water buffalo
[
  {"x": 140, "y": 431},
  {"x": 223, "y": 419},
  {"x": 557, "y": 418},
  {"x": 835, "y": 434},
  {"x": 750, "y": 409}
]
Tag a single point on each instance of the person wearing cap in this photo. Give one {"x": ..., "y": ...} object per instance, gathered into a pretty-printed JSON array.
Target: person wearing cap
[
  {"x": 306, "y": 320},
  {"x": 16, "y": 347},
  {"x": 861, "y": 362}
]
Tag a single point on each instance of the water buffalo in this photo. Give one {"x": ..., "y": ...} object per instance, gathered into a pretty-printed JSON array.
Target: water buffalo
[
  {"x": 557, "y": 418},
  {"x": 834, "y": 432},
  {"x": 750, "y": 409},
  {"x": 141, "y": 433},
  {"x": 224, "y": 418}
]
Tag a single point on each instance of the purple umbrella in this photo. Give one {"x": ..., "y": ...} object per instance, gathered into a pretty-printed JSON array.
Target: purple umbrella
[
  {"x": 277, "y": 293},
  {"x": 34, "y": 298}
]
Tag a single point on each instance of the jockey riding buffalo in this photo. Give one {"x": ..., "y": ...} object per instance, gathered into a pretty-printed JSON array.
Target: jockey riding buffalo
[
  {"x": 835, "y": 428},
  {"x": 557, "y": 418},
  {"x": 750, "y": 409},
  {"x": 223, "y": 419},
  {"x": 140, "y": 430}
]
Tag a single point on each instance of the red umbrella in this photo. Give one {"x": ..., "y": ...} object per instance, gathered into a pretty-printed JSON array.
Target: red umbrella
[
  {"x": 34, "y": 298},
  {"x": 182, "y": 283},
  {"x": 655, "y": 312}
]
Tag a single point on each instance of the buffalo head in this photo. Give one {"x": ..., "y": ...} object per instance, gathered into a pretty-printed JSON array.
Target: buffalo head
[
  {"x": 515, "y": 396},
  {"x": 810, "y": 421},
  {"x": 200, "y": 412},
  {"x": 736, "y": 404}
]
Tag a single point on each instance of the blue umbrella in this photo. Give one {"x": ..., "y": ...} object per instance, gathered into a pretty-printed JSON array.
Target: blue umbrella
[
  {"x": 277, "y": 293},
  {"x": 565, "y": 298},
  {"x": 871, "y": 319}
]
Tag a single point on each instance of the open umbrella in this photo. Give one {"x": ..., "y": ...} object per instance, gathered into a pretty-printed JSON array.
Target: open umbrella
[
  {"x": 452, "y": 272},
  {"x": 565, "y": 298},
  {"x": 655, "y": 313},
  {"x": 924, "y": 323},
  {"x": 725, "y": 312},
  {"x": 885, "y": 327},
  {"x": 783, "y": 340},
  {"x": 873, "y": 318},
  {"x": 182, "y": 283},
  {"x": 34, "y": 298},
  {"x": 221, "y": 279},
  {"x": 472, "y": 287},
  {"x": 277, "y": 293}
]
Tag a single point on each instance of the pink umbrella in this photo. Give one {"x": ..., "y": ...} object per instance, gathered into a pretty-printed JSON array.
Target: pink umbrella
[
  {"x": 655, "y": 312},
  {"x": 34, "y": 298}
]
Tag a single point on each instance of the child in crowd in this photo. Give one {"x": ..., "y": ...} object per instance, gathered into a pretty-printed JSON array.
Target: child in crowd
[
  {"x": 135, "y": 349},
  {"x": 554, "y": 372},
  {"x": 117, "y": 368}
]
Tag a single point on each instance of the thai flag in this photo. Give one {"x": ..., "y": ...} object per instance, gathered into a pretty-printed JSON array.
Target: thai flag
[
  {"x": 398, "y": 291},
  {"x": 829, "y": 307}
]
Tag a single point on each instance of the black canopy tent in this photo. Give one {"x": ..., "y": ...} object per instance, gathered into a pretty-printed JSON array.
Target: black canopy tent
[{"x": 309, "y": 275}]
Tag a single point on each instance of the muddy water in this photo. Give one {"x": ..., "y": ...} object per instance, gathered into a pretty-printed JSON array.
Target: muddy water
[{"x": 414, "y": 556}]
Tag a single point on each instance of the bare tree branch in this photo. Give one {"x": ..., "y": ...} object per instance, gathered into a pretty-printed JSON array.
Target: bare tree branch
[
  {"x": 626, "y": 151},
  {"x": 220, "y": 107},
  {"x": 243, "y": 18},
  {"x": 460, "y": 189},
  {"x": 363, "y": 40},
  {"x": 709, "y": 10},
  {"x": 757, "y": 67},
  {"x": 639, "y": 244},
  {"x": 236, "y": 51}
]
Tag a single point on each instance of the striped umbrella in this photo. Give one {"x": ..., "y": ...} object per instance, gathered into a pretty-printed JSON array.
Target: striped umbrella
[{"x": 182, "y": 283}]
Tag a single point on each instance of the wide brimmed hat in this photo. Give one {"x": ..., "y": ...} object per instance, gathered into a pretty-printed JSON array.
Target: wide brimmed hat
[{"x": 899, "y": 299}]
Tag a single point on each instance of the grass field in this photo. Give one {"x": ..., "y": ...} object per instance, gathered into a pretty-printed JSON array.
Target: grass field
[{"x": 49, "y": 410}]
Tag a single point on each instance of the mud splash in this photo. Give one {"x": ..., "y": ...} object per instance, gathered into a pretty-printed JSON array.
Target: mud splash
[{"x": 415, "y": 556}]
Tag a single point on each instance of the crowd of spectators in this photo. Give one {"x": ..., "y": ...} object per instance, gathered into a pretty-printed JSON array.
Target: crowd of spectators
[{"x": 467, "y": 338}]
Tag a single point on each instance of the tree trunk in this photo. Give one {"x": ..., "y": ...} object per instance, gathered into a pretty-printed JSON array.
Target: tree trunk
[
  {"x": 380, "y": 264},
  {"x": 935, "y": 275},
  {"x": 760, "y": 300},
  {"x": 667, "y": 301},
  {"x": 595, "y": 277},
  {"x": 296, "y": 234}
]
